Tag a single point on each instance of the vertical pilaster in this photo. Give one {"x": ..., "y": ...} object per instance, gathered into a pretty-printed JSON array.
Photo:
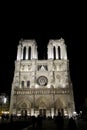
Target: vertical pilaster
[
  {"x": 36, "y": 54},
  {"x": 33, "y": 52},
  {"x": 22, "y": 53},
  {"x": 56, "y": 52},
  {"x": 32, "y": 111},
  {"x": 26, "y": 52},
  {"x": 51, "y": 51},
  {"x": 65, "y": 56},
  {"x": 19, "y": 52},
  {"x": 48, "y": 53},
  {"x": 63, "y": 52},
  {"x": 52, "y": 112}
]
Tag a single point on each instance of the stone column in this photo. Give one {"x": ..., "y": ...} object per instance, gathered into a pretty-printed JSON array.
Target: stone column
[
  {"x": 56, "y": 52},
  {"x": 26, "y": 52},
  {"x": 48, "y": 52},
  {"x": 33, "y": 52},
  {"x": 36, "y": 54},
  {"x": 19, "y": 52},
  {"x": 63, "y": 52},
  {"x": 52, "y": 112},
  {"x": 65, "y": 56},
  {"x": 32, "y": 111},
  {"x": 22, "y": 52},
  {"x": 25, "y": 84},
  {"x": 51, "y": 51}
]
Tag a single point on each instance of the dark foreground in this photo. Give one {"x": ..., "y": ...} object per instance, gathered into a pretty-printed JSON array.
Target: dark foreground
[
  {"x": 14, "y": 125},
  {"x": 47, "y": 124}
]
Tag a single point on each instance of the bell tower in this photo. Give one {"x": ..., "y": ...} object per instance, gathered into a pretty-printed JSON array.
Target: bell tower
[
  {"x": 27, "y": 50},
  {"x": 57, "y": 50}
]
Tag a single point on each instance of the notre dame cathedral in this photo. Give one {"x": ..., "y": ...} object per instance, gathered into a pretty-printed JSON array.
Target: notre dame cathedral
[{"x": 42, "y": 86}]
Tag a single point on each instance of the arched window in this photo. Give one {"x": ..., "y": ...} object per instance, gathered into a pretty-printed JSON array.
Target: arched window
[
  {"x": 28, "y": 83},
  {"x": 29, "y": 53},
  {"x": 24, "y": 53},
  {"x": 22, "y": 84},
  {"x": 59, "y": 52},
  {"x": 54, "y": 52}
]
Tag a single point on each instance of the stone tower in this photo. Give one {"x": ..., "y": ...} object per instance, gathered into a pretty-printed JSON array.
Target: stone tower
[{"x": 42, "y": 86}]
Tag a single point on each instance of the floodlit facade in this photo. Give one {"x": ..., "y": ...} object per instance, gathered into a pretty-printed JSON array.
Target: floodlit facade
[{"x": 42, "y": 86}]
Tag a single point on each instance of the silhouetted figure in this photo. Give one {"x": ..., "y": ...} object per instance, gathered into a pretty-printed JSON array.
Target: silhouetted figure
[
  {"x": 39, "y": 123},
  {"x": 72, "y": 124},
  {"x": 11, "y": 118},
  {"x": 59, "y": 121},
  {"x": 33, "y": 122}
]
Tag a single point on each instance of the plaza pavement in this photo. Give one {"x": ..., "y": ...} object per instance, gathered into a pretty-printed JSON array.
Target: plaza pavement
[{"x": 50, "y": 125}]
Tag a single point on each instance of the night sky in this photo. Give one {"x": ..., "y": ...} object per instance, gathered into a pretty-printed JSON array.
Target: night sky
[{"x": 42, "y": 24}]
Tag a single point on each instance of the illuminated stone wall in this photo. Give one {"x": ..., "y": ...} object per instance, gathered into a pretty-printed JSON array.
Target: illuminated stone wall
[{"x": 42, "y": 86}]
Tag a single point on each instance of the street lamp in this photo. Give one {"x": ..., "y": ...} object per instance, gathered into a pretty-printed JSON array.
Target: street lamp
[
  {"x": 3, "y": 103},
  {"x": 4, "y": 100}
]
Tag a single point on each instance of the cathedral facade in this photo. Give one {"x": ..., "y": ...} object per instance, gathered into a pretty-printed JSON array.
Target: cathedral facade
[{"x": 42, "y": 86}]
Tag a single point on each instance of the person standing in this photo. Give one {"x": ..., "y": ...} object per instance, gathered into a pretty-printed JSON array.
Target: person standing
[
  {"x": 72, "y": 124},
  {"x": 39, "y": 123},
  {"x": 59, "y": 121}
]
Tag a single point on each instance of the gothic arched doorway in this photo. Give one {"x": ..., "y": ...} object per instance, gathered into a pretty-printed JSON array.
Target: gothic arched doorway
[
  {"x": 59, "y": 106},
  {"x": 42, "y": 105},
  {"x": 42, "y": 108},
  {"x": 24, "y": 109}
]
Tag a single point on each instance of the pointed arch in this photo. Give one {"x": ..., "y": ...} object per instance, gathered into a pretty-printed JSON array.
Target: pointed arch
[
  {"x": 59, "y": 52},
  {"x": 24, "y": 102},
  {"x": 24, "y": 53},
  {"x": 42, "y": 101},
  {"x": 24, "y": 105},
  {"x": 59, "y": 103},
  {"x": 29, "y": 53},
  {"x": 54, "y": 52}
]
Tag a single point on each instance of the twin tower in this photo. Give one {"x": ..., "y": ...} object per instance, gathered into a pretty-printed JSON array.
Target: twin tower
[
  {"x": 42, "y": 86},
  {"x": 27, "y": 50}
]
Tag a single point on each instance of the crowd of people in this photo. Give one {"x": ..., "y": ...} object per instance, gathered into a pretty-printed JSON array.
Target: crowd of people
[{"x": 37, "y": 122}]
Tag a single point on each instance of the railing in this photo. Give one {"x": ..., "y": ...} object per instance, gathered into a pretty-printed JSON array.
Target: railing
[{"x": 37, "y": 91}]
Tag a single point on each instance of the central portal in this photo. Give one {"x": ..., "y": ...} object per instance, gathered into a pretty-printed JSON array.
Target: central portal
[{"x": 42, "y": 112}]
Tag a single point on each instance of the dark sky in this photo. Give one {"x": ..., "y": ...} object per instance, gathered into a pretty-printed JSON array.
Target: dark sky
[{"x": 43, "y": 23}]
